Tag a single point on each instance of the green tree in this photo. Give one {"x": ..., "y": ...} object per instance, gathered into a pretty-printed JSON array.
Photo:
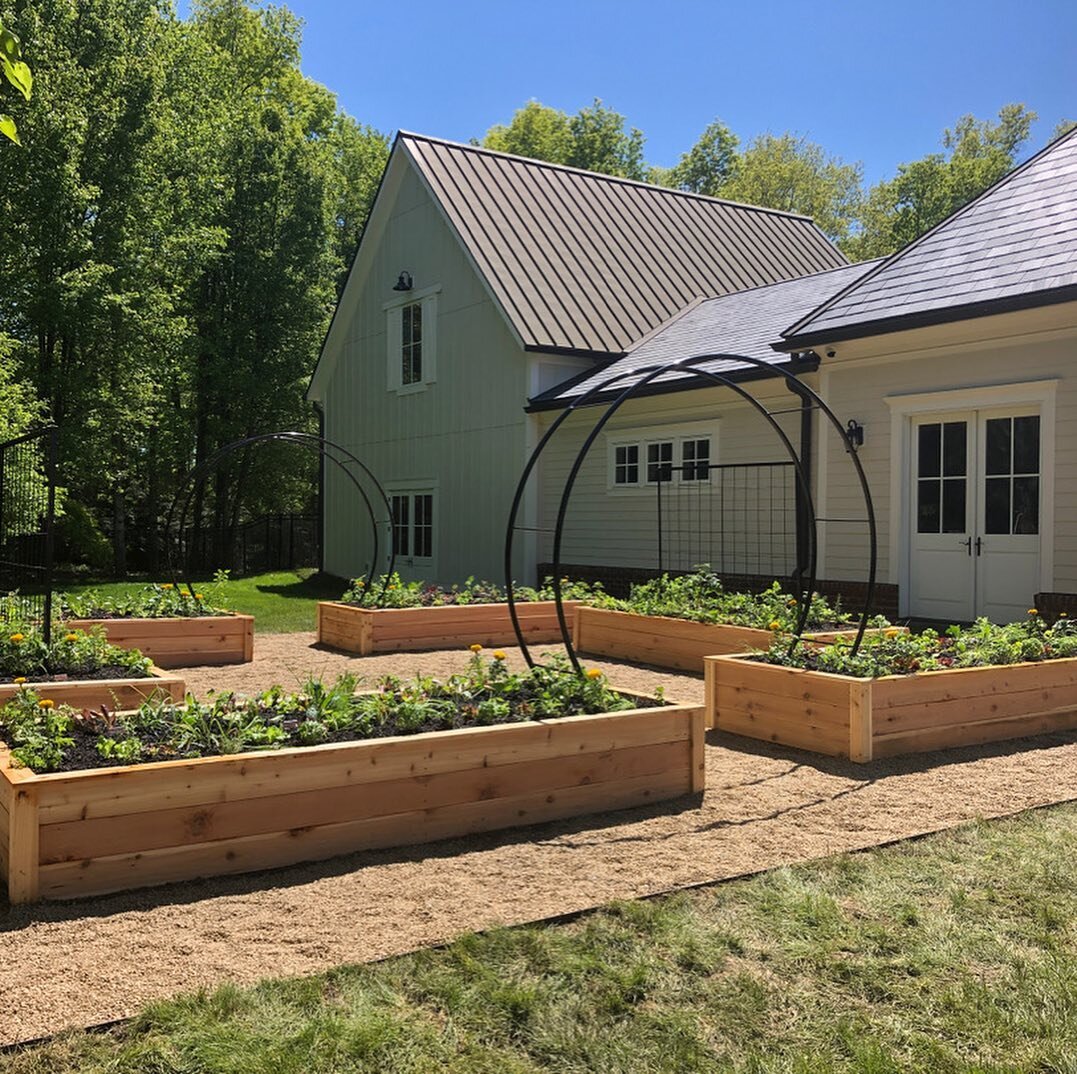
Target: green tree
[
  {"x": 709, "y": 165},
  {"x": 789, "y": 172},
  {"x": 17, "y": 72},
  {"x": 594, "y": 139},
  {"x": 924, "y": 192}
]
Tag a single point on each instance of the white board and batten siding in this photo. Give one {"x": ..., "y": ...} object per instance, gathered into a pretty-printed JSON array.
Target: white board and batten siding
[{"x": 462, "y": 437}]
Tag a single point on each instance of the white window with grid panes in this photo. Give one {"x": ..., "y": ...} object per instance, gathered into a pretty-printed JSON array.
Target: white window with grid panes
[
  {"x": 413, "y": 526},
  {"x": 411, "y": 335},
  {"x": 671, "y": 456}
]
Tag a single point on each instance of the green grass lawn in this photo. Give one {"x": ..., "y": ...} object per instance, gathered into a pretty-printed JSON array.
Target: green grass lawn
[
  {"x": 957, "y": 953},
  {"x": 281, "y": 602}
]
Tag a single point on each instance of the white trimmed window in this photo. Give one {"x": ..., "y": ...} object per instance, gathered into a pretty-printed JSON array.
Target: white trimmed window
[
  {"x": 411, "y": 341},
  {"x": 413, "y": 526},
  {"x": 675, "y": 455}
]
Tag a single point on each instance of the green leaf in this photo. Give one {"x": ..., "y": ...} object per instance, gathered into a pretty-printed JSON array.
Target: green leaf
[
  {"x": 9, "y": 45},
  {"x": 18, "y": 74},
  {"x": 7, "y": 127}
]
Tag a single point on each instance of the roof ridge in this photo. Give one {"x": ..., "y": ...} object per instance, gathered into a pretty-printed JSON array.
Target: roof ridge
[
  {"x": 797, "y": 329},
  {"x": 865, "y": 265},
  {"x": 619, "y": 179}
]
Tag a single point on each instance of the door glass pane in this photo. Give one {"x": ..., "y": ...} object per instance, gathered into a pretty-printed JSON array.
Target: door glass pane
[
  {"x": 953, "y": 506},
  {"x": 1026, "y": 504},
  {"x": 998, "y": 449},
  {"x": 1026, "y": 445},
  {"x": 424, "y": 525},
  {"x": 954, "y": 442},
  {"x": 929, "y": 451},
  {"x": 927, "y": 506},
  {"x": 997, "y": 505},
  {"x": 401, "y": 528}
]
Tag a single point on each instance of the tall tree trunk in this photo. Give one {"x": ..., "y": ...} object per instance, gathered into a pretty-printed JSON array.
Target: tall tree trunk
[{"x": 119, "y": 532}]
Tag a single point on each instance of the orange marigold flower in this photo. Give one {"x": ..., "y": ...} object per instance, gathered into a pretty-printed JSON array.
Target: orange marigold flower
[
  {"x": 893, "y": 632},
  {"x": 475, "y": 648},
  {"x": 46, "y": 704},
  {"x": 71, "y": 637},
  {"x": 499, "y": 655},
  {"x": 198, "y": 596},
  {"x": 167, "y": 585},
  {"x": 593, "y": 673},
  {"x": 19, "y": 680},
  {"x": 16, "y": 638},
  {"x": 791, "y": 601},
  {"x": 774, "y": 625},
  {"x": 1033, "y": 611}
]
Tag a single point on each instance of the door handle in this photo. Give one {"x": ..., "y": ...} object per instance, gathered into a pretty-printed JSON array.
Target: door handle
[
  {"x": 979, "y": 545},
  {"x": 968, "y": 545}
]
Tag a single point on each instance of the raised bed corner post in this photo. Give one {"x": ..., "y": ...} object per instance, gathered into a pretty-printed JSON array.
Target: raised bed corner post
[
  {"x": 809, "y": 397},
  {"x": 326, "y": 449}
]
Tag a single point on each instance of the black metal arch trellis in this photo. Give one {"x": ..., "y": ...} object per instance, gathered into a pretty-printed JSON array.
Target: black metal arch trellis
[
  {"x": 327, "y": 449},
  {"x": 642, "y": 378}
]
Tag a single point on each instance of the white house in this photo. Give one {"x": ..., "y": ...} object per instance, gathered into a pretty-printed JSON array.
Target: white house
[{"x": 531, "y": 284}]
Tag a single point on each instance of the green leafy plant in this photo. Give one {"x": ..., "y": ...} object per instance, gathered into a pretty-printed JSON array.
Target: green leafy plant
[
  {"x": 391, "y": 591},
  {"x": 162, "y": 600},
  {"x": 893, "y": 652},
  {"x": 17, "y": 72},
  {"x": 486, "y": 692},
  {"x": 25, "y": 654}
]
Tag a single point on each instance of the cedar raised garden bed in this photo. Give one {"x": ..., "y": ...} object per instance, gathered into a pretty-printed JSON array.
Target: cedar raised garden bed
[
  {"x": 117, "y": 694},
  {"x": 668, "y": 642},
  {"x": 181, "y": 641},
  {"x": 866, "y": 719},
  {"x": 66, "y": 835},
  {"x": 448, "y": 626}
]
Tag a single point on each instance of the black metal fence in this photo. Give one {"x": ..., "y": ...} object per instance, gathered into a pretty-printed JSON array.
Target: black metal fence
[
  {"x": 27, "y": 523},
  {"x": 741, "y": 518},
  {"x": 268, "y": 543}
]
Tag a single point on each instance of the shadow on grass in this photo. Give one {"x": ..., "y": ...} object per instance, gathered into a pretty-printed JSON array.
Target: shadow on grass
[{"x": 316, "y": 587}]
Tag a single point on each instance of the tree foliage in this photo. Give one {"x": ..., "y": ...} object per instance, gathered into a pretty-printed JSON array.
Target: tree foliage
[
  {"x": 709, "y": 165},
  {"x": 18, "y": 73}
]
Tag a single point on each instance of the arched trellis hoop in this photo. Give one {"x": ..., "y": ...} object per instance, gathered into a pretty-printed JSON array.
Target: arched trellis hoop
[
  {"x": 641, "y": 378},
  {"x": 326, "y": 449}
]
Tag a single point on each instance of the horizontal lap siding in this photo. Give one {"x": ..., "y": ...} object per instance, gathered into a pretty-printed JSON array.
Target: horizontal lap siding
[
  {"x": 860, "y": 393},
  {"x": 106, "y": 831},
  {"x": 465, "y": 432},
  {"x": 619, "y": 528}
]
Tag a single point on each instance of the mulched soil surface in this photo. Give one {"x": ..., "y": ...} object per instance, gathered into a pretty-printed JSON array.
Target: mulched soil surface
[
  {"x": 85, "y": 962},
  {"x": 114, "y": 671}
]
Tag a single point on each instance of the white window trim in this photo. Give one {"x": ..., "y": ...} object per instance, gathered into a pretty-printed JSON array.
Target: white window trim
[
  {"x": 428, "y": 299},
  {"x": 657, "y": 434},
  {"x": 412, "y": 487},
  {"x": 903, "y": 408}
]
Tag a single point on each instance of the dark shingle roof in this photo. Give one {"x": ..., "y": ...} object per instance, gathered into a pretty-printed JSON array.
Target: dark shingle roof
[
  {"x": 587, "y": 263},
  {"x": 743, "y": 323},
  {"x": 1014, "y": 246}
]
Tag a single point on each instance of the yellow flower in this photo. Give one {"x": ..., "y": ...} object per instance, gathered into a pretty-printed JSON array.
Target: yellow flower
[
  {"x": 71, "y": 637},
  {"x": 46, "y": 704},
  {"x": 499, "y": 655},
  {"x": 593, "y": 673},
  {"x": 774, "y": 625},
  {"x": 791, "y": 601},
  {"x": 167, "y": 585},
  {"x": 198, "y": 596},
  {"x": 20, "y": 680},
  {"x": 1033, "y": 611},
  {"x": 1062, "y": 615},
  {"x": 893, "y": 632},
  {"x": 16, "y": 638},
  {"x": 476, "y": 648}
]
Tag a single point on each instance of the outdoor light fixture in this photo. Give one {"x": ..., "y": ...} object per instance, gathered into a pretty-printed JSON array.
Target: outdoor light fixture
[
  {"x": 403, "y": 283},
  {"x": 854, "y": 431}
]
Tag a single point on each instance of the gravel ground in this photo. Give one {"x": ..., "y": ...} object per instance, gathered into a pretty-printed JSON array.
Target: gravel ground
[{"x": 79, "y": 963}]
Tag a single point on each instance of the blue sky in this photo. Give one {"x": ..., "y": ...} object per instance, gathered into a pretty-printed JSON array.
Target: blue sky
[{"x": 874, "y": 82}]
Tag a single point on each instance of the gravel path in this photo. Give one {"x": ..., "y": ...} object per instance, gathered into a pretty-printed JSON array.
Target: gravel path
[{"x": 78, "y": 963}]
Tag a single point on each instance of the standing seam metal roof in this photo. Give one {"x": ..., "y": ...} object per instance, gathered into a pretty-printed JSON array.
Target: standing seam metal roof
[
  {"x": 1014, "y": 244},
  {"x": 589, "y": 263}
]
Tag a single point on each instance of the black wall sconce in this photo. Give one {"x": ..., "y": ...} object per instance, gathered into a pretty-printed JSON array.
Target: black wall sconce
[
  {"x": 854, "y": 432},
  {"x": 403, "y": 282}
]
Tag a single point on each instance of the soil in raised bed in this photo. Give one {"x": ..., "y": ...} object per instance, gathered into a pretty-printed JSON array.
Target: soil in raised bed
[{"x": 113, "y": 671}]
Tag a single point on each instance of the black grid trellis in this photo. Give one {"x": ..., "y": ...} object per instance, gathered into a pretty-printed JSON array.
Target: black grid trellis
[{"x": 27, "y": 518}]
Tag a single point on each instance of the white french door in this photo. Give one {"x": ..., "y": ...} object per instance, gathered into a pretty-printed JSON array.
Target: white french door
[{"x": 974, "y": 541}]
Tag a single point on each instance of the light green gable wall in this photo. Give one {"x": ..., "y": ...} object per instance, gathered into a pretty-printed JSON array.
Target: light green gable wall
[{"x": 464, "y": 434}]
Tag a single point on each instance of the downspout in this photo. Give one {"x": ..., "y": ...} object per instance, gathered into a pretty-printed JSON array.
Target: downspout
[
  {"x": 806, "y": 453},
  {"x": 320, "y": 411}
]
